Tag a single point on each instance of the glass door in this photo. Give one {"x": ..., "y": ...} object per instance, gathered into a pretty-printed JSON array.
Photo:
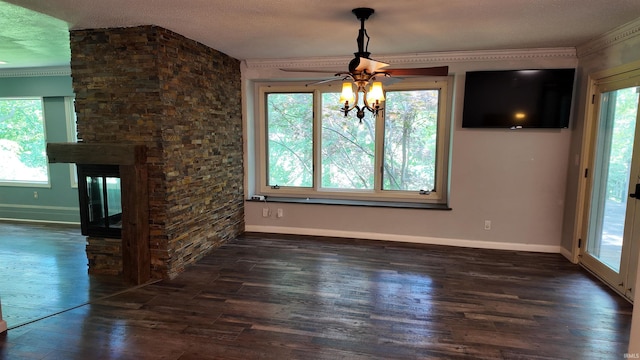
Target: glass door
[{"x": 613, "y": 226}]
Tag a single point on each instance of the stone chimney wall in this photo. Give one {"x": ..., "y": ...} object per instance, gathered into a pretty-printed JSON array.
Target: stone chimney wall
[{"x": 148, "y": 85}]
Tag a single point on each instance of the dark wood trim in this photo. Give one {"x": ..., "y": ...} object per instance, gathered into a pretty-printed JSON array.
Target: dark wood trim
[
  {"x": 99, "y": 154},
  {"x": 131, "y": 158},
  {"x": 136, "y": 257}
]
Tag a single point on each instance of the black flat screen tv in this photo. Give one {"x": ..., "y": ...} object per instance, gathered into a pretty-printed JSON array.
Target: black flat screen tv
[{"x": 517, "y": 99}]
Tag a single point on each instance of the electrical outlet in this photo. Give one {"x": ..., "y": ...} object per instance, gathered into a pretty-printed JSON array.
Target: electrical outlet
[
  {"x": 280, "y": 213},
  {"x": 265, "y": 212},
  {"x": 487, "y": 224},
  {"x": 35, "y": 194}
]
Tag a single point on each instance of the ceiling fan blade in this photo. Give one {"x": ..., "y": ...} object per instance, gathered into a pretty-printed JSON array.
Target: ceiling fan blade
[
  {"x": 313, "y": 71},
  {"x": 430, "y": 71},
  {"x": 323, "y": 81},
  {"x": 389, "y": 80}
]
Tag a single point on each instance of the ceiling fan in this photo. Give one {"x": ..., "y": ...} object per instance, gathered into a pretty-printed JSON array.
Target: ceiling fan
[{"x": 363, "y": 71}]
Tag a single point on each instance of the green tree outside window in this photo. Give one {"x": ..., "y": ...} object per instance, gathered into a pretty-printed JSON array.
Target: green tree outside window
[{"x": 22, "y": 141}]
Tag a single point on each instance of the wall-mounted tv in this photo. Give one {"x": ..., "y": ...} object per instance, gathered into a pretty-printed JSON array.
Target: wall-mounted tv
[{"x": 515, "y": 99}]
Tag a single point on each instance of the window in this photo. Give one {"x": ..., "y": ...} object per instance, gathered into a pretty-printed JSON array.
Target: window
[
  {"x": 290, "y": 139},
  {"x": 311, "y": 150},
  {"x": 410, "y": 140},
  {"x": 347, "y": 148},
  {"x": 22, "y": 142}
]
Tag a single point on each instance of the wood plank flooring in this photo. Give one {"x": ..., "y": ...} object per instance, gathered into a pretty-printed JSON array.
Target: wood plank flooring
[
  {"x": 289, "y": 297},
  {"x": 43, "y": 270}
]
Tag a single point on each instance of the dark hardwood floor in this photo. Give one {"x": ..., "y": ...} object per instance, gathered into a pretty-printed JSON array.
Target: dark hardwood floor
[
  {"x": 43, "y": 270},
  {"x": 287, "y": 297}
]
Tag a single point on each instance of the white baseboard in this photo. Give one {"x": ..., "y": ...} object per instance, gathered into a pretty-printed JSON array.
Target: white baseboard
[
  {"x": 405, "y": 238},
  {"x": 40, "y": 221},
  {"x": 37, "y": 213}
]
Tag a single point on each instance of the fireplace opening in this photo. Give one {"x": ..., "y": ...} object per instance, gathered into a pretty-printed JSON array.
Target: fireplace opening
[
  {"x": 114, "y": 204},
  {"x": 100, "y": 200}
]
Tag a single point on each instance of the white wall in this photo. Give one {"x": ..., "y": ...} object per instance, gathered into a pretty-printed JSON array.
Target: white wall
[
  {"x": 634, "y": 337},
  {"x": 516, "y": 179}
]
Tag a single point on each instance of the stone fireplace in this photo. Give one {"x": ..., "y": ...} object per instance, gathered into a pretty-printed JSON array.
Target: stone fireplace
[{"x": 181, "y": 101}]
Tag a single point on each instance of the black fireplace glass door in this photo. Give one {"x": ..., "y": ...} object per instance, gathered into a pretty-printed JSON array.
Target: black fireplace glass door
[
  {"x": 100, "y": 200},
  {"x": 95, "y": 191},
  {"x": 113, "y": 200},
  {"x": 105, "y": 209}
]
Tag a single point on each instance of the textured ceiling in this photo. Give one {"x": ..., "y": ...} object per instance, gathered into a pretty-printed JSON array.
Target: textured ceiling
[
  {"x": 28, "y": 39},
  {"x": 276, "y": 29}
]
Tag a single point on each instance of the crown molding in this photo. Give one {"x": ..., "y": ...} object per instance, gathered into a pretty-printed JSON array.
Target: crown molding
[
  {"x": 418, "y": 58},
  {"x": 615, "y": 36},
  {"x": 36, "y": 71}
]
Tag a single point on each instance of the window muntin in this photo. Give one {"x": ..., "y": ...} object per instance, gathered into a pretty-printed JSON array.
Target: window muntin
[
  {"x": 22, "y": 142},
  {"x": 360, "y": 175}
]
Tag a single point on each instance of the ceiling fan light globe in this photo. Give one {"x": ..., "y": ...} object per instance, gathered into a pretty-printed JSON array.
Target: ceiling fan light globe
[
  {"x": 347, "y": 93},
  {"x": 375, "y": 93}
]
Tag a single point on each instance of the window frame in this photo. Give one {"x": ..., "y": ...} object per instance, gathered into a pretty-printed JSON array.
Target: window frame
[
  {"x": 439, "y": 195},
  {"x": 27, "y": 183},
  {"x": 72, "y": 135}
]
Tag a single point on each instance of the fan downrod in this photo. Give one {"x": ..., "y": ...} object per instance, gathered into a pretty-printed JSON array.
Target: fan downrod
[{"x": 362, "y": 13}]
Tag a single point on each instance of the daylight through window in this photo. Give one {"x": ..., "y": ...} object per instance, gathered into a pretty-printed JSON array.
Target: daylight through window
[
  {"x": 22, "y": 141},
  {"x": 312, "y": 150}
]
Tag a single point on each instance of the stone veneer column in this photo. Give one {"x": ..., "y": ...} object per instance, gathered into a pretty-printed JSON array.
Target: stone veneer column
[{"x": 148, "y": 85}]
